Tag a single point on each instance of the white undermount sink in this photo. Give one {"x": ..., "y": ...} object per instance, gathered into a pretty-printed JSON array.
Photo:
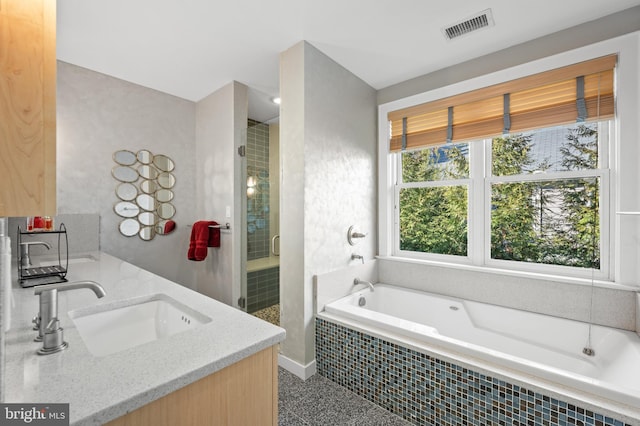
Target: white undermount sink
[{"x": 107, "y": 329}]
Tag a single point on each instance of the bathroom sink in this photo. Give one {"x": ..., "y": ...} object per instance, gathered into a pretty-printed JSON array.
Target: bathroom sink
[{"x": 116, "y": 327}]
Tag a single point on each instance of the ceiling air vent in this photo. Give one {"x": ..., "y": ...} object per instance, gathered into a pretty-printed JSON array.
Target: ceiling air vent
[{"x": 478, "y": 21}]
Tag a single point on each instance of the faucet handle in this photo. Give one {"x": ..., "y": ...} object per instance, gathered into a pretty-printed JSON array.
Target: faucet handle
[
  {"x": 36, "y": 322},
  {"x": 53, "y": 339},
  {"x": 53, "y": 325},
  {"x": 352, "y": 234}
]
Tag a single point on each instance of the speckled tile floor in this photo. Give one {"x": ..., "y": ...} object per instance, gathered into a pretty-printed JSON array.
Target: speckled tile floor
[
  {"x": 320, "y": 402},
  {"x": 270, "y": 314}
]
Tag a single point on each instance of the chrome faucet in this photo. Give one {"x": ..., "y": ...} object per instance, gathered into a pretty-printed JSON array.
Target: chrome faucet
[
  {"x": 49, "y": 331},
  {"x": 25, "y": 260},
  {"x": 357, "y": 281}
]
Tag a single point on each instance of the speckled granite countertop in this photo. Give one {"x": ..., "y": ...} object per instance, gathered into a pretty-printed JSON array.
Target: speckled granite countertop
[{"x": 100, "y": 389}]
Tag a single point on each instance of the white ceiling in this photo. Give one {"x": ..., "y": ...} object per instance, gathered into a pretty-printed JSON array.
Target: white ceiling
[{"x": 190, "y": 48}]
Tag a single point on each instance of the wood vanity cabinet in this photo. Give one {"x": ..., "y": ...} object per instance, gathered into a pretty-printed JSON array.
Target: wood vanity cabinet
[
  {"x": 27, "y": 107},
  {"x": 242, "y": 394}
]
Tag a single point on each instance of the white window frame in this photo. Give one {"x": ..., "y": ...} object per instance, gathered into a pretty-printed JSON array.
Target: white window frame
[
  {"x": 479, "y": 209},
  {"x": 430, "y": 184},
  {"x": 622, "y": 232},
  {"x": 604, "y": 136}
]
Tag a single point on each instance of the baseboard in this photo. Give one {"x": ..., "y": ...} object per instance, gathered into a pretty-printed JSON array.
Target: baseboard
[{"x": 302, "y": 371}]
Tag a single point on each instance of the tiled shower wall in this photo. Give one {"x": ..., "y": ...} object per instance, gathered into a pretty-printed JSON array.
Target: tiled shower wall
[
  {"x": 263, "y": 288},
  {"x": 258, "y": 241},
  {"x": 430, "y": 391}
]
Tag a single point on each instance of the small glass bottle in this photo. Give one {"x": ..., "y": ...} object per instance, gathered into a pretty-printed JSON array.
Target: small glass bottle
[
  {"x": 38, "y": 223},
  {"x": 30, "y": 224},
  {"x": 48, "y": 223}
]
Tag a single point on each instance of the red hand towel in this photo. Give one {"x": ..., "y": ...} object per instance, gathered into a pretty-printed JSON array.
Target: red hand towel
[
  {"x": 202, "y": 237},
  {"x": 214, "y": 236}
]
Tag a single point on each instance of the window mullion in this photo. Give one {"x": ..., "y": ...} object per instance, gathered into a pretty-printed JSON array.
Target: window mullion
[
  {"x": 605, "y": 221},
  {"x": 476, "y": 210},
  {"x": 396, "y": 203},
  {"x": 486, "y": 202},
  {"x": 396, "y": 218},
  {"x": 551, "y": 176},
  {"x": 435, "y": 183}
]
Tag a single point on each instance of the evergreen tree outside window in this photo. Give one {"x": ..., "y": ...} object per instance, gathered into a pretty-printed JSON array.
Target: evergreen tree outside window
[
  {"x": 543, "y": 197},
  {"x": 549, "y": 210},
  {"x": 433, "y": 204}
]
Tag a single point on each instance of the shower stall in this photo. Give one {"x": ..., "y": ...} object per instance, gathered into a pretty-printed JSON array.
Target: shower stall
[{"x": 261, "y": 289}]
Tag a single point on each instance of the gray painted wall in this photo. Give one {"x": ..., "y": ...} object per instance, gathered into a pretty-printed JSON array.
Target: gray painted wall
[
  {"x": 605, "y": 28},
  {"x": 221, "y": 119},
  {"x": 328, "y": 161},
  {"x": 98, "y": 115}
]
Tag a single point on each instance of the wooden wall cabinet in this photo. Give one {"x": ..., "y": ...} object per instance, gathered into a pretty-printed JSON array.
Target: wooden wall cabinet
[
  {"x": 27, "y": 107},
  {"x": 245, "y": 393}
]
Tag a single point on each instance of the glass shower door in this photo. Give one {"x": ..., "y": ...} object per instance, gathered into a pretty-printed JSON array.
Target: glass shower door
[
  {"x": 242, "y": 151},
  {"x": 262, "y": 220}
]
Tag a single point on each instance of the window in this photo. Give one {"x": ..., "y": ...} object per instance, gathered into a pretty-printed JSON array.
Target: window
[
  {"x": 518, "y": 179},
  {"x": 545, "y": 192},
  {"x": 433, "y": 200}
]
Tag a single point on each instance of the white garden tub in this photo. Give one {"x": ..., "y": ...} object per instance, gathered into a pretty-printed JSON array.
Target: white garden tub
[{"x": 543, "y": 346}]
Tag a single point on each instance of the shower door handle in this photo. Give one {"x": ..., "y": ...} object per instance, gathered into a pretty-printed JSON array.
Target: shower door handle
[{"x": 273, "y": 245}]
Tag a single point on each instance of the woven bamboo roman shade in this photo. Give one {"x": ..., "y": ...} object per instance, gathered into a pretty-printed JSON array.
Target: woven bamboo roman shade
[{"x": 578, "y": 92}]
